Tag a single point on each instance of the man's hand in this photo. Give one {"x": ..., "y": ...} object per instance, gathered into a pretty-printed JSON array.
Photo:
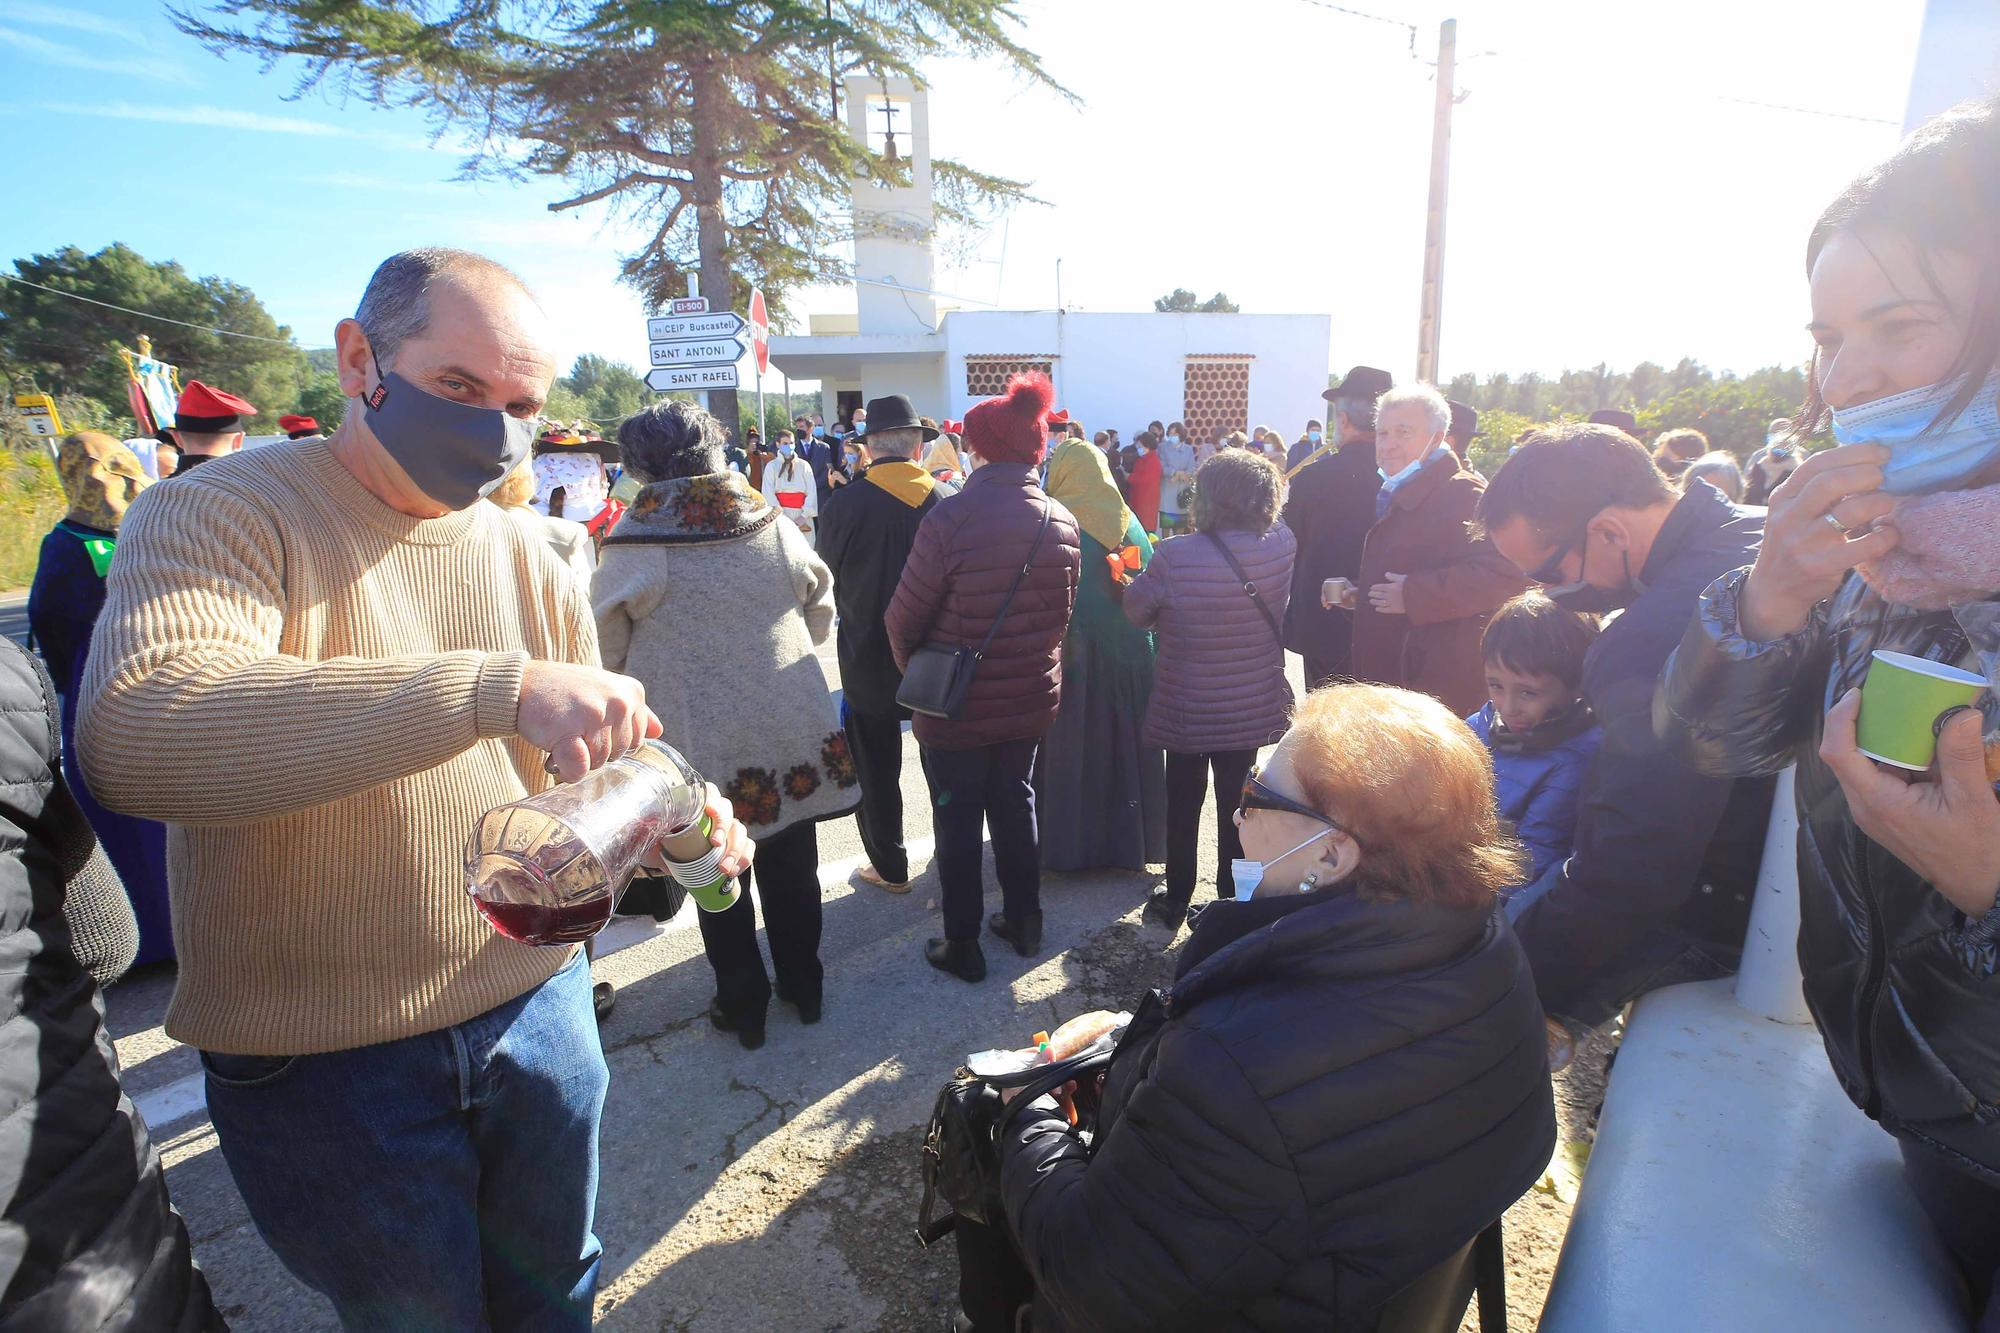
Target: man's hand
[
  {"x": 582, "y": 716},
  {"x": 1388, "y": 597},
  {"x": 1819, "y": 527},
  {"x": 1946, "y": 828}
]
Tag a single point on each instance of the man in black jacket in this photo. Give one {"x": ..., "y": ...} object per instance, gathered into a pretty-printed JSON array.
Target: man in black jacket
[
  {"x": 1658, "y": 887},
  {"x": 865, "y": 532},
  {"x": 1330, "y": 509}
]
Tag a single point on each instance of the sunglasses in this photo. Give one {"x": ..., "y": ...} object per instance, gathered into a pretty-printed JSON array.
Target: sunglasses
[
  {"x": 1258, "y": 796},
  {"x": 1550, "y": 571}
]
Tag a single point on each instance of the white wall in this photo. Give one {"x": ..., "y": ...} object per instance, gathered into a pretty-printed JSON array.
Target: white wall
[{"x": 1124, "y": 370}]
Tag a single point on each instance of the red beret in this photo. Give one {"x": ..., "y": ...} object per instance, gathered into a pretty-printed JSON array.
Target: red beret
[
  {"x": 291, "y": 421},
  {"x": 209, "y": 411},
  {"x": 1059, "y": 418}
]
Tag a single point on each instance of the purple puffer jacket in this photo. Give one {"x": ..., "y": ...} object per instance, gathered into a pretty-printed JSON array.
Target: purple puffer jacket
[
  {"x": 965, "y": 557},
  {"x": 1219, "y": 676}
]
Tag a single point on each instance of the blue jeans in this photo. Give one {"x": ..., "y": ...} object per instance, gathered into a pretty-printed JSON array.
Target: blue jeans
[{"x": 444, "y": 1181}]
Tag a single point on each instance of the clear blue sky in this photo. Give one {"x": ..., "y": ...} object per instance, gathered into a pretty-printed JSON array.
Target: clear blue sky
[{"x": 1609, "y": 201}]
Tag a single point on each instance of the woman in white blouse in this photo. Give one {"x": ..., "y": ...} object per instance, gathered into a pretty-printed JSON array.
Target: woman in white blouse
[{"x": 790, "y": 488}]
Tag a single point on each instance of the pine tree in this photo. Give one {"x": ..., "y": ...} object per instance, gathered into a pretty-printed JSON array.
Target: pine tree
[{"x": 712, "y": 124}]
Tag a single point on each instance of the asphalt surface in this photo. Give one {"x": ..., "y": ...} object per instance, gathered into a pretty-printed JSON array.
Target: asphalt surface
[
  {"x": 14, "y": 617},
  {"x": 741, "y": 1190}
]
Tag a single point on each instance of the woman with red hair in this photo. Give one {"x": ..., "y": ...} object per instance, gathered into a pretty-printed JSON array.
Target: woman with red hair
[{"x": 1000, "y": 532}]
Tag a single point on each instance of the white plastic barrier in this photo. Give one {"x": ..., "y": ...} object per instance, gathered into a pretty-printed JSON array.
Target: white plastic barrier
[{"x": 1733, "y": 1188}]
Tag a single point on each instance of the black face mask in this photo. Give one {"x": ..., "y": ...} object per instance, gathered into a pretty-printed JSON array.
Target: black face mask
[
  {"x": 1587, "y": 599},
  {"x": 455, "y": 453}
]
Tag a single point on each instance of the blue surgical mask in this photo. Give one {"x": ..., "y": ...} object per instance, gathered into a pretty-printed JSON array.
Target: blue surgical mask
[
  {"x": 786, "y": 451},
  {"x": 1173, "y": 439},
  {"x": 819, "y": 432},
  {"x": 1392, "y": 483},
  {"x": 860, "y": 428},
  {"x": 1247, "y": 876},
  {"x": 853, "y": 456},
  {"x": 1313, "y": 435},
  {"x": 1922, "y": 461}
]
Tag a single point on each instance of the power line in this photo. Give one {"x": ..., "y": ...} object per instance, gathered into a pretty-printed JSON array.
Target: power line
[
  {"x": 1404, "y": 24},
  {"x": 147, "y": 314},
  {"x": 1806, "y": 110}
]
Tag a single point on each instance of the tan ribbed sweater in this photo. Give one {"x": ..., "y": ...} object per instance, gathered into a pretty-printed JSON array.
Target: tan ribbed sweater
[{"x": 318, "y": 695}]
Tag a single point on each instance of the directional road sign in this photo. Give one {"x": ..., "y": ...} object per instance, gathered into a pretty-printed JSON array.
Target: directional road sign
[
  {"x": 685, "y": 328},
  {"x": 667, "y": 378},
  {"x": 708, "y": 352}
]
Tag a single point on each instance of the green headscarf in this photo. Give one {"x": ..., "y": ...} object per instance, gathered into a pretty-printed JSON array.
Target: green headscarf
[{"x": 1081, "y": 479}]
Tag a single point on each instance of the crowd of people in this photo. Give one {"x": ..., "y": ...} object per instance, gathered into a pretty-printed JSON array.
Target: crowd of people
[{"x": 1528, "y": 782}]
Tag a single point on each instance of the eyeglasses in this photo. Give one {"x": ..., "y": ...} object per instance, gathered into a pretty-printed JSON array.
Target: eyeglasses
[
  {"x": 1258, "y": 796},
  {"x": 1550, "y": 570}
]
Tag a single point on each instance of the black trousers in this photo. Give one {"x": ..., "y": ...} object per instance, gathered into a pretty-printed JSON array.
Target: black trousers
[
  {"x": 876, "y": 742},
  {"x": 786, "y": 877},
  {"x": 1320, "y": 670},
  {"x": 1966, "y": 1212},
  {"x": 971, "y": 789},
  {"x": 1187, "y": 784}
]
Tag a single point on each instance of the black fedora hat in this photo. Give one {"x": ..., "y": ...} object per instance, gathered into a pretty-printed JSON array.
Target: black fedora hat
[
  {"x": 895, "y": 413},
  {"x": 1464, "y": 420},
  {"x": 1361, "y": 382}
]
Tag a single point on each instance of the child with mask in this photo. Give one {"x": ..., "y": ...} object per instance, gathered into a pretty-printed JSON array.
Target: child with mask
[
  {"x": 789, "y": 486},
  {"x": 1539, "y": 729}
]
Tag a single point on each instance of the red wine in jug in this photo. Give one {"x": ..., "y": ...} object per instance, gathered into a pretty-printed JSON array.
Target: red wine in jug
[{"x": 537, "y": 923}]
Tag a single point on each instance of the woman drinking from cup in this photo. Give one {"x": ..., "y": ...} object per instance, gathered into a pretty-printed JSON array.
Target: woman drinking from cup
[{"x": 1883, "y": 546}]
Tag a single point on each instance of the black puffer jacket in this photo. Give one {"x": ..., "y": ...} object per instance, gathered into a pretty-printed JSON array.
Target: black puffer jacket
[
  {"x": 1910, "y": 1015},
  {"x": 88, "y": 1240},
  {"x": 1333, "y": 1097}
]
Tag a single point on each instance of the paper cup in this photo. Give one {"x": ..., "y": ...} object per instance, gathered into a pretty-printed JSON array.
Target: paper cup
[{"x": 1901, "y": 699}]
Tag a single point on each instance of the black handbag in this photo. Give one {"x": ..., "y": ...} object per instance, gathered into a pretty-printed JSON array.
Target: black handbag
[
  {"x": 961, "y": 1152},
  {"x": 939, "y": 675}
]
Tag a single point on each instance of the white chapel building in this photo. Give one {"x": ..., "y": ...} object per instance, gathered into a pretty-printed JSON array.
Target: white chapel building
[{"x": 1110, "y": 370}]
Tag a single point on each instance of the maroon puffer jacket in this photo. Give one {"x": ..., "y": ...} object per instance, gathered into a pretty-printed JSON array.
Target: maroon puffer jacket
[
  {"x": 966, "y": 555},
  {"x": 1219, "y": 674}
]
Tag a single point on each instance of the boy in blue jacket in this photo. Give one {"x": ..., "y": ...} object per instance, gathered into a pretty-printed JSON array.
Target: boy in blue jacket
[{"x": 1539, "y": 728}]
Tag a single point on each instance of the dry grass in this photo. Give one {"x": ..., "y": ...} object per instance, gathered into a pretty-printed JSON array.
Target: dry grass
[{"x": 31, "y": 500}]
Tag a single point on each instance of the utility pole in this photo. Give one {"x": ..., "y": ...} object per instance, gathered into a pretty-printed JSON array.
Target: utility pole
[{"x": 1430, "y": 316}]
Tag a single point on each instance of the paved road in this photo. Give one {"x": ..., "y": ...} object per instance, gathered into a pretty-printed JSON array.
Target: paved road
[
  {"x": 14, "y": 617},
  {"x": 741, "y": 1190}
]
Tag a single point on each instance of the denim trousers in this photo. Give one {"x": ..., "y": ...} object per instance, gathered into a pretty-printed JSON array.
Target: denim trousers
[{"x": 439, "y": 1182}]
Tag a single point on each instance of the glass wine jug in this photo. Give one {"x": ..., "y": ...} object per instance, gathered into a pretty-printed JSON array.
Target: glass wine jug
[{"x": 548, "y": 869}]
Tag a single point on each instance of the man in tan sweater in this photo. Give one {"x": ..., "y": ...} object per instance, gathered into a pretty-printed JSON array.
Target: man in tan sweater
[{"x": 319, "y": 663}]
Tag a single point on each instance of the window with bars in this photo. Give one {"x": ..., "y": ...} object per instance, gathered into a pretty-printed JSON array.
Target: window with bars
[
  {"x": 1217, "y": 393},
  {"x": 987, "y": 376}
]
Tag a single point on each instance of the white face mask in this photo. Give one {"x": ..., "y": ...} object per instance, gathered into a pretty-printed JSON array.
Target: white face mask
[{"x": 1248, "y": 875}]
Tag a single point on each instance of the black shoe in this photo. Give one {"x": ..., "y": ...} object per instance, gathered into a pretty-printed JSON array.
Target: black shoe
[
  {"x": 961, "y": 958},
  {"x": 809, "y": 1012},
  {"x": 603, "y": 999},
  {"x": 1162, "y": 910},
  {"x": 1025, "y": 937},
  {"x": 751, "y": 1037}
]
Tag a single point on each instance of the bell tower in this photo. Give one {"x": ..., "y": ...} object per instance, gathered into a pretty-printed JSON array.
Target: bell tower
[{"x": 894, "y": 264}]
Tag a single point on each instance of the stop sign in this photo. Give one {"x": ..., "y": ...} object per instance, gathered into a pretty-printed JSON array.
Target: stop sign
[{"x": 760, "y": 331}]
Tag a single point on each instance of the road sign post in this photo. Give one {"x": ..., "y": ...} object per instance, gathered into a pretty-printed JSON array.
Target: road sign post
[
  {"x": 760, "y": 340},
  {"x": 38, "y": 413}
]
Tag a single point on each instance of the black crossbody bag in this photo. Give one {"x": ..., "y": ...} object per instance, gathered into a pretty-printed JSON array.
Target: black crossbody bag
[
  {"x": 939, "y": 675},
  {"x": 1248, "y": 585}
]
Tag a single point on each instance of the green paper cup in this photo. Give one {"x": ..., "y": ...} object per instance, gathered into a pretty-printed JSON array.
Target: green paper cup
[{"x": 1901, "y": 700}]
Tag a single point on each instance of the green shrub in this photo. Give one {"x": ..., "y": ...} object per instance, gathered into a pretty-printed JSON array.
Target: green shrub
[{"x": 31, "y": 500}]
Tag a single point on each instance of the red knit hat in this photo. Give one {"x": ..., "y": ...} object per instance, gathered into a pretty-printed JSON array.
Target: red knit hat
[{"x": 1012, "y": 429}]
